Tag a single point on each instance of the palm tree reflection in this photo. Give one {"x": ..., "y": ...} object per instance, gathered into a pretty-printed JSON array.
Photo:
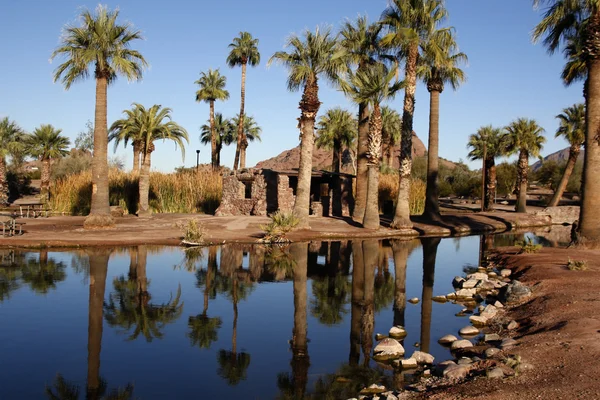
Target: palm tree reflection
[{"x": 430, "y": 246}]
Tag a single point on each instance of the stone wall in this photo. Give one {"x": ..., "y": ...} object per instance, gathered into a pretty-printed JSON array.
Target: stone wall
[
  {"x": 234, "y": 201},
  {"x": 285, "y": 194},
  {"x": 259, "y": 195},
  {"x": 561, "y": 215},
  {"x": 347, "y": 196}
]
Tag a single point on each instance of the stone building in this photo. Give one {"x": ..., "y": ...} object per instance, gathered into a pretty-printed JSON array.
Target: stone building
[{"x": 265, "y": 191}]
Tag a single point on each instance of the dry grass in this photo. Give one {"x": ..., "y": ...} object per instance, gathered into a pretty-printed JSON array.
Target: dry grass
[
  {"x": 187, "y": 192},
  {"x": 388, "y": 190}
]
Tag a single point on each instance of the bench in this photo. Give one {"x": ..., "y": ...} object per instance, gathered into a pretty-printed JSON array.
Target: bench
[{"x": 10, "y": 225}]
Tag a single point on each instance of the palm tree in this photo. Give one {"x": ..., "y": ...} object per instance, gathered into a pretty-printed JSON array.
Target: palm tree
[
  {"x": 358, "y": 288},
  {"x": 391, "y": 128},
  {"x": 136, "y": 144},
  {"x": 578, "y": 23},
  {"x": 244, "y": 51},
  {"x": 309, "y": 58},
  {"x": 359, "y": 42},
  {"x": 46, "y": 144},
  {"x": 372, "y": 85},
  {"x": 43, "y": 274},
  {"x": 11, "y": 138},
  {"x": 401, "y": 250},
  {"x": 148, "y": 125},
  {"x": 410, "y": 24},
  {"x": 251, "y": 131},
  {"x": 525, "y": 137},
  {"x": 102, "y": 42},
  {"x": 330, "y": 296},
  {"x": 572, "y": 128},
  {"x": 440, "y": 65},
  {"x": 224, "y": 130},
  {"x": 488, "y": 144},
  {"x": 212, "y": 88}
]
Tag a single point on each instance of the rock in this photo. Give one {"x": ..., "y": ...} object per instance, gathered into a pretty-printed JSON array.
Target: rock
[
  {"x": 379, "y": 337},
  {"x": 560, "y": 215},
  {"x": 446, "y": 363},
  {"x": 495, "y": 373},
  {"x": 512, "y": 325},
  {"x": 480, "y": 276},
  {"x": 466, "y": 293},
  {"x": 373, "y": 389},
  {"x": 409, "y": 363},
  {"x": 476, "y": 359},
  {"x": 465, "y": 361},
  {"x": 448, "y": 339},
  {"x": 497, "y": 304},
  {"x": 440, "y": 299},
  {"x": 504, "y": 203},
  {"x": 481, "y": 308},
  {"x": 492, "y": 275},
  {"x": 397, "y": 332},
  {"x": 458, "y": 281},
  {"x": 491, "y": 352},
  {"x": 471, "y": 283},
  {"x": 414, "y": 300},
  {"x": 422, "y": 357},
  {"x": 508, "y": 343},
  {"x": 505, "y": 273},
  {"x": 456, "y": 371},
  {"x": 116, "y": 211},
  {"x": 461, "y": 344},
  {"x": 491, "y": 337},
  {"x": 486, "y": 285},
  {"x": 388, "y": 349},
  {"x": 478, "y": 320},
  {"x": 389, "y": 396},
  {"x": 515, "y": 292},
  {"x": 489, "y": 312},
  {"x": 468, "y": 331}
]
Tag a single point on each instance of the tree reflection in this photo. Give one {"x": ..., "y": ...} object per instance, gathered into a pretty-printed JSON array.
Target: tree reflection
[
  {"x": 370, "y": 255},
  {"x": 279, "y": 262},
  {"x": 358, "y": 288},
  {"x": 330, "y": 296},
  {"x": 42, "y": 275},
  {"x": 430, "y": 246},
  {"x": 129, "y": 305},
  {"x": 384, "y": 281},
  {"x": 10, "y": 280}
]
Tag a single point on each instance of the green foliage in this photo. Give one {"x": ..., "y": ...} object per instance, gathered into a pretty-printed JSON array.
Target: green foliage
[
  {"x": 244, "y": 50},
  {"x": 550, "y": 173},
  {"x": 203, "y": 330},
  {"x": 224, "y": 128},
  {"x": 18, "y": 185},
  {"x": 577, "y": 265},
  {"x": 85, "y": 139},
  {"x": 506, "y": 174},
  {"x": 74, "y": 163},
  {"x": 331, "y": 294},
  {"x": 233, "y": 366},
  {"x": 528, "y": 246},
  {"x": 281, "y": 224},
  {"x": 193, "y": 231},
  {"x": 212, "y": 86},
  {"x": 574, "y": 184},
  {"x": 525, "y": 136},
  {"x": 46, "y": 143}
]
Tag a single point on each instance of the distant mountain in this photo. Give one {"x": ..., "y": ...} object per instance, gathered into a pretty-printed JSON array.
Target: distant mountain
[
  {"x": 560, "y": 156},
  {"x": 290, "y": 159}
]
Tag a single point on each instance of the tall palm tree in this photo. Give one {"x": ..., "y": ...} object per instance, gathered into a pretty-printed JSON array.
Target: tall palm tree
[
  {"x": 309, "y": 58},
  {"x": 224, "y": 130},
  {"x": 488, "y": 143},
  {"x": 251, "y": 131},
  {"x": 440, "y": 65},
  {"x": 579, "y": 21},
  {"x": 244, "y": 51},
  {"x": 136, "y": 144},
  {"x": 372, "y": 85},
  {"x": 103, "y": 43},
  {"x": 359, "y": 42},
  {"x": 410, "y": 24},
  {"x": 525, "y": 137},
  {"x": 11, "y": 137},
  {"x": 391, "y": 128},
  {"x": 46, "y": 143},
  {"x": 212, "y": 88},
  {"x": 148, "y": 125},
  {"x": 336, "y": 130},
  {"x": 572, "y": 128}
]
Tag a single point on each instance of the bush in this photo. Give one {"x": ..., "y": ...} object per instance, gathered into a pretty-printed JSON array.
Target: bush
[
  {"x": 574, "y": 265},
  {"x": 281, "y": 224},
  {"x": 193, "y": 231},
  {"x": 506, "y": 174}
]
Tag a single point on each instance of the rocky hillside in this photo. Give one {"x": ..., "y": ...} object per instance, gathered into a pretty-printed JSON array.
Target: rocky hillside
[
  {"x": 290, "y": 159},
  {"x": 559, "y": 157}
]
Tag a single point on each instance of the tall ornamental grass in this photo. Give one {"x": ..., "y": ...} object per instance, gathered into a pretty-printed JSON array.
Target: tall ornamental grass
[{"x": 388, "y": 190}]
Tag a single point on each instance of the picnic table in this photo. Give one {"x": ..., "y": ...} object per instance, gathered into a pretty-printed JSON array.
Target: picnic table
[
  {"x": 10, "y": 225},
  {"x": 35, "y": 209}
]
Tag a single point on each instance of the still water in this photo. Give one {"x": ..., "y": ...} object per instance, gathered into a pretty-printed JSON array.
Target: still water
[{"x": 231, "y": 321}]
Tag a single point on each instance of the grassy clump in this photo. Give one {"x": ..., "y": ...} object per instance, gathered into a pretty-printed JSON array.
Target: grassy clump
[
  {"x": 388, "y": 190},
  {"x": 527, "y": 246},
  {"x": 193, "y": 231},
  {"x": 281, "y": 224},
  {"x": 577, "y": 265}
]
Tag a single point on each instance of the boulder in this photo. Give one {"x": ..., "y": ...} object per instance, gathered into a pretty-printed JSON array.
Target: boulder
[
  {"x": 515, "y": 292},
  {"x": 397, "y": 332},
  {"x": 448, "y": 339},
  {"x": 480, "y": 276},
  {"x": 468, "y": 330},
  {"x": 422, "y": 357},
  {"x": 414, "y": 300},
  {"x": 465, "y": 361},
  {"x": 409, "y": 363},
  {"x": 457, "y": 282},
  {"x": 491, "y": 352},
  {"x": 560, "y": 215},
  {"x": 470, "y": 284},
  {"x": 505, "y": 273},
  {"x": 373, "y": 389},
  {"x": 497, "y": 304},
  {"x": 461, "y": 344},
  {"x": 492, "y": 337},
  {"x": 508, "y": 343},
  {"x": 466, "y": 293},
  {"x": 489, "y": 312},
  {"x": 388, "y": 349},
  {"x": 456, "y": 372},
  {"x": 478, "y": 320},
  {"x": 379, "y": 336},
  {"x": 512, "y": 325},
  {"x": 440, "y": 299},
  {"x": 495, "y": 373}
]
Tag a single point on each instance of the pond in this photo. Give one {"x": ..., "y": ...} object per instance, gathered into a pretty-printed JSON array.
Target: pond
[{"x": 233, "y": 321}]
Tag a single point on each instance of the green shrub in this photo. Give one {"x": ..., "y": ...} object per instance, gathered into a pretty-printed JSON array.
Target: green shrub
[
  {"x": 281, "y": 224},
  {"x": 193, "y": 231},
  {"x": 527, "y": 246},
  {"x": 574, "y": 265}
]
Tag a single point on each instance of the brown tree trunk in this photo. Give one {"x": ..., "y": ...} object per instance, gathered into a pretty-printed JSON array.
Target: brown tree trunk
[
  {"x": 336, "y": 188},
  {"x": 573, "y": 155},
  {"x": 300, "y": 360},
  {"x": 370, "y": 254},
  {"x": 371, "y": 220},
  {"x": 137, "y": 152},
  {"x": 402, "y": 213},
  {"x": 523, "y": 171},
  {"x": 389, "y": 154},
  {"x": 144, "y": 185},
  {"x": 98, "y": 270},
  {"x": 490, "y": 185},
  {"x": 400, "y": 249},
  {"x": 243, "y": 152},
  {"x": 358, "y": 277},
  {"x": 309, "y": 106},
  {"x": 100, "y": 209},
  {"x": 432, "y": 207},
  {"x": 240, "y": 135},
  {"x": 360, "y": 203},
  {"x": 213, "y": 138},
  {"x": 142, "y": 280},
  {"x": 235, "y": 317},
  {"x": 3, "y": 183},
  {"x": 45, "y": 184},
  {"x": 430, "y": 246}
]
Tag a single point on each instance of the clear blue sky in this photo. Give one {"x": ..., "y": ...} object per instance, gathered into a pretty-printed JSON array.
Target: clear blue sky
[{"x": 508, "y": 76}]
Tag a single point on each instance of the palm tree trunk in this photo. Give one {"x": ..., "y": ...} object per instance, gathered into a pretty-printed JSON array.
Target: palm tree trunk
[
  {"x": 309, "y": 106},
  {"x": 45, "y": 184},
  {"x": 358, "y": 277},
  {"x": 144, "y": 185},
  {"x": 432, "y": 207},
  {"x": 98, "y": 270},
  {"x": 300, "y": 361},
  {"x": 490, "y": 186},
  {"x": 142, "y": 281},
  {"x": 100, "y": 209},
  {"x": 400, "y": 250},
  {"x": 136, "y": 157},
  {"x": 430, "y": 246},
  {"x": 3, "y": 183},
  {"x": 371, "y": 220},
  {"x": 573, "y": 155},
  {"x": 243, "y": 152},
  {"x": 402, "y": 214},
  {"x": 336, "y": 189},
  {"x": 235, "y": 317},
  {"x": 389, "y": 153},
  {"x": 133, "y": 263},
  {"x": 523, "y": 171},
  {"x": 240, "y": 135},
  {"x": 213, "y": 138},
  {"x": 360, "y": 202},
  {"x": 370, "y": 254}
]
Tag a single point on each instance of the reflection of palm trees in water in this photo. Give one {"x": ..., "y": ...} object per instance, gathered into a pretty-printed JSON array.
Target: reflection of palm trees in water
[
  {"x": 129, "y": 306},
  {"x": 430, "y": 246},
  {"x": 203, "y": 329},
  {"x": 384, "y": 281},
  {"x": 358, "y": 287},
  {"x": 400, "y": 251},
  {"x": 43, "y": 275},
  {"x": 370, "y": 257}
]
